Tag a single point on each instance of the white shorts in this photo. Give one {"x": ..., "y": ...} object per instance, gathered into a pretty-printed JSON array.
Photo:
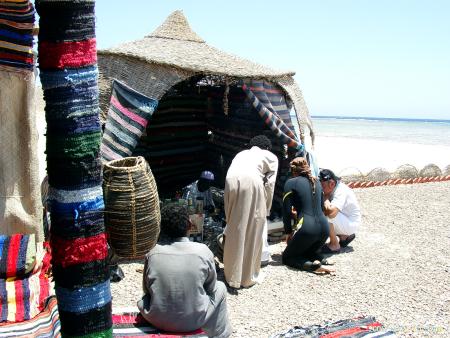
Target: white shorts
[{"x": 343, "y": 225}]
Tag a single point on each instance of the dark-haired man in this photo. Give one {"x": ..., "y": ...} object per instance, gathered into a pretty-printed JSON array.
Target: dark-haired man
[
  {"x": 249, "y": 187},
  {"x": 181, "y": 291},
  {"x": 342, "y": 210}
]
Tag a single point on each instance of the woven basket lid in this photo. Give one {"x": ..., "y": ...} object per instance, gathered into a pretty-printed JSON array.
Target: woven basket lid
[{"x": 176, "y": 27}]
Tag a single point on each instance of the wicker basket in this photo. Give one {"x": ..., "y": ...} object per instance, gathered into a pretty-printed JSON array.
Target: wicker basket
[{"x": 132, "y": 214}]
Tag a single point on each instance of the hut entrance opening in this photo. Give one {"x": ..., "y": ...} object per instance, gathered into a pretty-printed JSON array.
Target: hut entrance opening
[{"x": 201, "y": 124}]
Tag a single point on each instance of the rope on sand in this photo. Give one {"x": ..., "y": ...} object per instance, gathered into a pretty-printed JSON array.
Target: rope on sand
[
  {"x": 369, "y": 184},
  {"x": 405, "y": 174}
]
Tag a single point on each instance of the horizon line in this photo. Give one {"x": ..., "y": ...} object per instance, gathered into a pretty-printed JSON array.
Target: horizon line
[{"x": 378, "y": 118}]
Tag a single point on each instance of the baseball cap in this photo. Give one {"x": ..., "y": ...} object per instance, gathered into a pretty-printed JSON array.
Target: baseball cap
[
  {"x": 327, "y": 174},
  {"x": 207, "y": 175}
]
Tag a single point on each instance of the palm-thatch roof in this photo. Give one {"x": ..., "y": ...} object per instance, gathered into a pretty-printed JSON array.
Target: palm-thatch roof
[
  {"x": 175, "y": 44},
  {"x": 173, "y": 53}
]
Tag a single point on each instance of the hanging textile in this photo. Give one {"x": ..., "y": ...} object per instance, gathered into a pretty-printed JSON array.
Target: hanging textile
[
  {"x": 175, "y": 140},
  {"x": 271, "y": 105},
  {"x": 69, "y": 76},
  {"x": 128, "y": 116},
  {"x": 16, "y": 35},
  {"x": 19, "y": 166}
]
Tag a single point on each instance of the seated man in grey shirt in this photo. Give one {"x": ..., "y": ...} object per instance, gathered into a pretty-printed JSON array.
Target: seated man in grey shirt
[{"x": 181, "y": 291}]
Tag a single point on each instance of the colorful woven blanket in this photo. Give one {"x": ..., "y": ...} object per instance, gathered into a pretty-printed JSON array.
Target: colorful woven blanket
[
  {"x": 45, "y": 324},
  {"x": 23, "y": 298},
  {"x": 129, "y": 323},
  {"x": 128, "y": 116},
  {"x": 348, "y": 328},
  {"x": 17, "y": 255},
  {"x": 16, "y": 35}
]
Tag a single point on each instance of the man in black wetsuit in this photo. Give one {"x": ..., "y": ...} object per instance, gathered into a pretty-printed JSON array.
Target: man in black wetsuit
[{"x": 304, "y": 193}]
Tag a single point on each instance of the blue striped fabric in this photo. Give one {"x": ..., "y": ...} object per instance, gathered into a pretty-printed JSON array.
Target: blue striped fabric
[
  {"x": 270, "y": 103},
  {"x": 127, "y": 119},
  {"x": 25, "y": 38},
  {"x": 3, "y": 305},
  {"x": 78, "y": 207},
  {"x": 73, "y": 196},
  {"x": 69, "y": 77},
  {"x": 2, "y": 243},
  {"x": 83, "y": 299},
  {"x": 26, "y": 295}
]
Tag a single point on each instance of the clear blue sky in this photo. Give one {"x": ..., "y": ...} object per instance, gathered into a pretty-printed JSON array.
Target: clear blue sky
[{"x": 352, "y": 58}]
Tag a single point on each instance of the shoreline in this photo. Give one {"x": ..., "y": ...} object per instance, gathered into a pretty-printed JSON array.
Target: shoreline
[
  {"x": 350, "y": 156},
  {"x": 346, "y": 156}
]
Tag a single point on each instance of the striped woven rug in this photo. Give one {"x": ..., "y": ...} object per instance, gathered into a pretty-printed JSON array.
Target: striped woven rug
[
  {"x": 127, "y": 322},
  {"x": 44, "y": 325},
  {"x": 347, "y": 328}
]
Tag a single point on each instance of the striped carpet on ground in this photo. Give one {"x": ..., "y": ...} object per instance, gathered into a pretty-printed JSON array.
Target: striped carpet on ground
[
  {"x": 348, "y": 328},
  {"x": 127, "y": 322},
  {"x": 45, "y": 325}
]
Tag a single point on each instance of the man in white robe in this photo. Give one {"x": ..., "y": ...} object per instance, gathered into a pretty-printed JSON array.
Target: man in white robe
[{"x": 249, "y": 187}]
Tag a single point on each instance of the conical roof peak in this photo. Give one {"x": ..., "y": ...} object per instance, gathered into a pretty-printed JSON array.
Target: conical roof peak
[{"x": 176, "y": 27}]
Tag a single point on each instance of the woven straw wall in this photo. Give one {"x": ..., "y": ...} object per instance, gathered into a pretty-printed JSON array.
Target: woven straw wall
[{"x": 152, "y": 80}]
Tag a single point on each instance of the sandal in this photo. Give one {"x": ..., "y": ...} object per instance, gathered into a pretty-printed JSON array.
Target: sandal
[
  {"x": 326, "y": 250},
  {"x": 347, "y": 241}
]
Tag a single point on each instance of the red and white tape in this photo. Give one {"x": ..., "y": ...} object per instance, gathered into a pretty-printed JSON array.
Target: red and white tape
[{"x": 396, "y": 181}]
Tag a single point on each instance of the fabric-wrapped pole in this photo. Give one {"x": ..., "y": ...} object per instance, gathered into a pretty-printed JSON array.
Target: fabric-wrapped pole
[{"x": 69, "y": 76}]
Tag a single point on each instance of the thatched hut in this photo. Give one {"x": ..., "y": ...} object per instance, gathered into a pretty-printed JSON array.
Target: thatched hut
[{"x": 204, "y": 116}]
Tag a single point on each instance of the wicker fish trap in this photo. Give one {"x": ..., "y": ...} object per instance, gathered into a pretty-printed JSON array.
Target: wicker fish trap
[{"x": 132, "y": 212}]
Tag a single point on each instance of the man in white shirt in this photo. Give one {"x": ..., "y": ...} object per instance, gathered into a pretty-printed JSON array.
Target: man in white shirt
[{"x": 342, "y": 210}]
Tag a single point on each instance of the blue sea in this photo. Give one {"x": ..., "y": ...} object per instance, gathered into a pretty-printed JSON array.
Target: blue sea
[{"x": 413, "y": 131}]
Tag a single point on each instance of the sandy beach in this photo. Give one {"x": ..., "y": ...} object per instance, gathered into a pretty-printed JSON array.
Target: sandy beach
[
  {"x": 397, "y": 270},
  {"x": 348, "y": 156}
]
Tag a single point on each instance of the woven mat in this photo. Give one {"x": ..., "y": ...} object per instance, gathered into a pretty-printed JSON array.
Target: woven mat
[
  {"x": 348, "y": 328},
  {"x": 127, "y": 322}
]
